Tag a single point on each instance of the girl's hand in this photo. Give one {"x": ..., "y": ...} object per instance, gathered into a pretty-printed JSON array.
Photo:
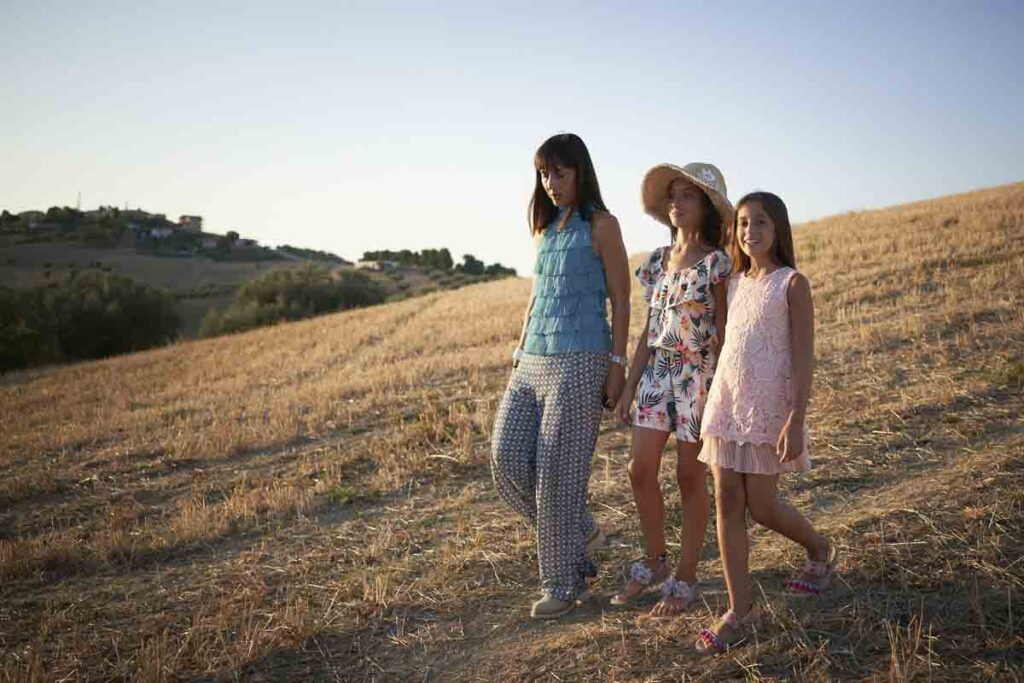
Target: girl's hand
[
  {"x": 623, "y": 406},
  {"x": 613, "y": 384},
  {"x": 791, "y": 440}
]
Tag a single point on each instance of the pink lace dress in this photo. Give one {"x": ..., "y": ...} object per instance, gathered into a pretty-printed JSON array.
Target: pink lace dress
[{"x": 751, "y": 395}]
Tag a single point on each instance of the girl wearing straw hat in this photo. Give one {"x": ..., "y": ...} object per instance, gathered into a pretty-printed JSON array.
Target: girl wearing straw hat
[
  {"x": 670, "y": 376},
  {"x": 546, "y": 426}
]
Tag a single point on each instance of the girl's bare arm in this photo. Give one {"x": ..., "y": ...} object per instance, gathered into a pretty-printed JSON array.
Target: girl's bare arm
[{"x": 801, "y": 321}]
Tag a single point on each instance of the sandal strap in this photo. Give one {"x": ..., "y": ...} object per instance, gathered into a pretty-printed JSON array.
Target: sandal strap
[
  {"x": 711, "y": 641},
  {"x": 673, "y": 588},
  {"x": 641, "y": 573},
  {"x": 812, "y": 568},
  {"x": 803, "y": 586}
]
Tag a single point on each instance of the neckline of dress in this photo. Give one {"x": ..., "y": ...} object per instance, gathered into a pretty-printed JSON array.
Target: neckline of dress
[
  {"x": 766, "y": 277},
  {"x": 570, "y": 222},
  {"x": 666, "y": 270}
]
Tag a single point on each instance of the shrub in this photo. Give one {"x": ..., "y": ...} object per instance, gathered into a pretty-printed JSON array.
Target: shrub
[
  {"x": 292, "y": 294},
  {"x": 92, "y": 314}
]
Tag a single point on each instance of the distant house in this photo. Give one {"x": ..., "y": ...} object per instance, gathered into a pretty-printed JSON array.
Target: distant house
[
  {"x": 32, "y": 218},
  {"x": 378, "y": 265},
  {"x": 160, "y": 233},
  {"x": 191, "y": 223},
  {"x": 208, "y": 242},
  {"x": 101, "y": 212}
]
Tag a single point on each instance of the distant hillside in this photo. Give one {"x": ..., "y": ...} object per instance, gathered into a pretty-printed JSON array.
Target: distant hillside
[
  {"x": 313, "y": 501},
  {"x": 201, "y": 270}
]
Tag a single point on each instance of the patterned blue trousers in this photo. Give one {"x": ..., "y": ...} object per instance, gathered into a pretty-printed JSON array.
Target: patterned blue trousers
[{"x": 544, "y": 437}]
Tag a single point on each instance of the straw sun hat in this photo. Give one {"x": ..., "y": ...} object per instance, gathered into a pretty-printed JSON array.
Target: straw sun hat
[{"x": 707, "y": 177}]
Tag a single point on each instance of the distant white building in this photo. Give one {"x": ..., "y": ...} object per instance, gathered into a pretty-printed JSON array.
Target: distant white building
[
  {"x": 160, "y": 233},
  {"x": 378, "y": 265},
  {"x": 191, "y": 223}
]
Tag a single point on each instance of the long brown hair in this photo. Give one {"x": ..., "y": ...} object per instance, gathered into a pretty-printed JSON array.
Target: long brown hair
[
  {"x": 568, "y": 150},
  {"x": 711, "y": 220},
  {"x": 782, "y": 250}
]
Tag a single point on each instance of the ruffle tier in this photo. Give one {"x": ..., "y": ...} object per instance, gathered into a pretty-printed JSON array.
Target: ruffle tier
[{"x": 750, "y": 458}]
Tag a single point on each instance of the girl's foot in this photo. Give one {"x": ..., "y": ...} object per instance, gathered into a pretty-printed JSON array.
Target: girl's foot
[
  {"x": 676, "y": 597},
  {"x": 730, "y": 631},
  {"x": 817, "y": 574},
  {"x": 550, "y": 607},
  {"x": 642, "y": 575}
]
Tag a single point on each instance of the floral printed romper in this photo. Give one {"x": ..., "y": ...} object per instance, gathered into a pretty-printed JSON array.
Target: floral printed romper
[{"x": 681, "y": 333}]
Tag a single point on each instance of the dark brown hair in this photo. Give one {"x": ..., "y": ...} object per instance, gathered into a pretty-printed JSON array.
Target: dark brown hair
[
  {"x": 782, "y": 250},
  {"x": 711, "y": 221},
  {"x": 568, "y": 150}
]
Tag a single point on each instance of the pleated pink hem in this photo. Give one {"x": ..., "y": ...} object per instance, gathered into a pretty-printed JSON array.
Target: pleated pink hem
[{"x": 749, "y": 458}]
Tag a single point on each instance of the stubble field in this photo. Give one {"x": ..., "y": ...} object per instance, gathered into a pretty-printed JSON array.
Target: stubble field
[{"x": 313, "y": 501}]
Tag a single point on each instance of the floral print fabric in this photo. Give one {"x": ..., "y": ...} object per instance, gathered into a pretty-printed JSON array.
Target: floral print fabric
[{"x": 681, "y": 332}]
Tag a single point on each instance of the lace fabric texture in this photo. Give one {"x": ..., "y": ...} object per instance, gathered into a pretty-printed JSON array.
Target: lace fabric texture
[{"x": 751, "y": 395}]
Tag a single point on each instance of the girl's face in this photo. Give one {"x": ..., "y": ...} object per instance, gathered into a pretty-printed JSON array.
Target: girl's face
[
  {"x": 560, "y": 184},
  {"x": 685, "y": 204},
  {"x": 755, "y": 230}
]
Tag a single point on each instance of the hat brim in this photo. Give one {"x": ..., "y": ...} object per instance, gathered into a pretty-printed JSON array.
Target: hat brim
[{"x": 654, "y": 194}]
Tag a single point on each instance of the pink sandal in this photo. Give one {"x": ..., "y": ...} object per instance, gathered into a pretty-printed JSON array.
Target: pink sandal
[
  {"x": 711, "y": 643},
  {"x": 821, "y": 573}
]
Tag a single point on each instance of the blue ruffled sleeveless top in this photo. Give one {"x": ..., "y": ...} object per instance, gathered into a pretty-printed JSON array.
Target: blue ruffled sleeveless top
[{"x": 569, "y": 312}]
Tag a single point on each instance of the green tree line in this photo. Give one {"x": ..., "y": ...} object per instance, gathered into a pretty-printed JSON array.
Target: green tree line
[
  {"x": 92, "y": 314},
  {"x": 292, "y": 294},
  {"x": 438, "y": 259}
]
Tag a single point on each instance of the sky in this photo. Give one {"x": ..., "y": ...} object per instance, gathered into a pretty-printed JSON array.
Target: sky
[{"x": 351, "y": 127}]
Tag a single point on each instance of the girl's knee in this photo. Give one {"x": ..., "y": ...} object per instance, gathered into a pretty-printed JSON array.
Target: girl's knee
[
  {"x": 642, "y": 470},
  {"x": 730, "y": 498},
  {"x": 762, "y": 511},
  {"x": 692, "y": 479}
]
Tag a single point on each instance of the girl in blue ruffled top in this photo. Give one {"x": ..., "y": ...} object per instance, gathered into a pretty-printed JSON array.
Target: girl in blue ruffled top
[{"x": 569, "y": 361}]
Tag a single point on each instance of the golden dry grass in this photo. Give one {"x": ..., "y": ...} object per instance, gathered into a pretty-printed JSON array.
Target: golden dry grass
[{"x": 313, "y": 500}]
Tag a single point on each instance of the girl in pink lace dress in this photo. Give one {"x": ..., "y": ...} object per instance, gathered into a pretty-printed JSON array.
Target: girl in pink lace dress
[{"x": 753, "y": 427}]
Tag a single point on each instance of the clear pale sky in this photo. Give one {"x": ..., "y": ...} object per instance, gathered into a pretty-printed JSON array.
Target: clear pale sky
[{"x": 355, "y": 126}]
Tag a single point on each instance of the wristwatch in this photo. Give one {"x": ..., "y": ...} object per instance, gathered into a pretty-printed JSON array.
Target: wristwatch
[{"x": 621, "y": 360}]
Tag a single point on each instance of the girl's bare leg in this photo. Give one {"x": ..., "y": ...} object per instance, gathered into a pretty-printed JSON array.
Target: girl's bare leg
[
  {"x": 691, "y": 474},
  {"x": 767, "y": 510},
  {"x": 730, "y": 507},
  {"x": 644, "y": 463}
]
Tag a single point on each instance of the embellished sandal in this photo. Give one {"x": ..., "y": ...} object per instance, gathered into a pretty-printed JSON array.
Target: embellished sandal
[
  {"x": 732, "y": 631},
  {"x": 675, "y": 590},
  {"x": 815, "y": 576},
  {"x": 642, "y": 577}
]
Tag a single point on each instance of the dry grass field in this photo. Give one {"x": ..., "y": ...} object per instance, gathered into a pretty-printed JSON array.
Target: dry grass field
[{"x": 313, "y": 501}]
